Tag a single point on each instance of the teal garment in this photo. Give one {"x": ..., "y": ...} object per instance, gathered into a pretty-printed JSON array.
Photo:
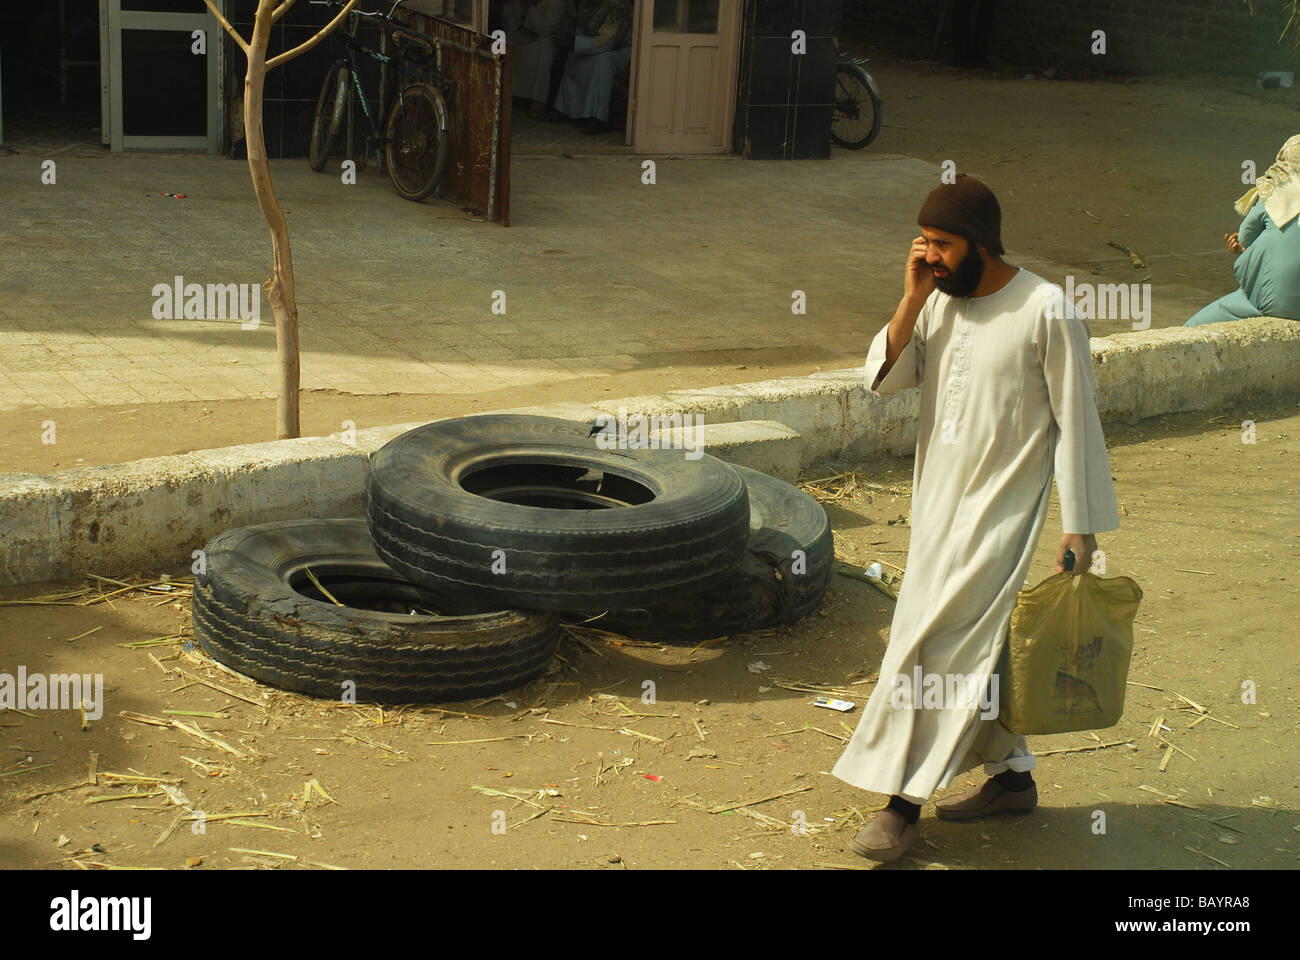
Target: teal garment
[
  {"x": 1268, "y": 271},
  {"x": 1234, "y": 306}
]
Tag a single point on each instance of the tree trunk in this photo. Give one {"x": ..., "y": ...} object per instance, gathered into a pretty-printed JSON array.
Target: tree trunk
[{"x": 279, "y": 288}]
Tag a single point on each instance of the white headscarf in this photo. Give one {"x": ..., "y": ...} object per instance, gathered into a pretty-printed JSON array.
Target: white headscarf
[{"x": 1279, "y": 187}]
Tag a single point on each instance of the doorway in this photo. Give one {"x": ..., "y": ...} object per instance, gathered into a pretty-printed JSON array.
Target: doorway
[
  {"x": 677, "y": 94},
  {"x": 161, "y": 75},
  {"x": 49, "y": 55},
  {"x": 684, "y": 64},
  {"x": 565, "y": 100}
]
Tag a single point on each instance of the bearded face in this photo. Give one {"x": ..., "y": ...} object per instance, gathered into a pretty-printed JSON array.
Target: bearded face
[{"x": 962, "y": 281}]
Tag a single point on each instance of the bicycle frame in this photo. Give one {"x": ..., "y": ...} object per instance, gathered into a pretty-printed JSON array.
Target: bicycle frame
[
  {"x": 349, "y": 61},
  {"x": 407, "y": 70}
]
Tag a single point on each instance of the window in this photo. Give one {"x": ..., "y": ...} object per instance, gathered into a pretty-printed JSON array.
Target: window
[
  {"x": 458, "y": 11},
  {"x": 686, "y": 16}
]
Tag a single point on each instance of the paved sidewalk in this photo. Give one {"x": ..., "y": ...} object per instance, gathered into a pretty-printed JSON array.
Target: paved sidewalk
[{"x": 601, "y": 273}]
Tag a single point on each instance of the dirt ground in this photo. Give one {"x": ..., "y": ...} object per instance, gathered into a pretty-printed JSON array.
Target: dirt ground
[
  {"x": 1153, "y": 163},
  {"x": 588, "y": 775}
]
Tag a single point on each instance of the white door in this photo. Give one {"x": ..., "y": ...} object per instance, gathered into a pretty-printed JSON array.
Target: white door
[
  {"x": 684, "y": 60},
  {"x": 161, "y": 79}
]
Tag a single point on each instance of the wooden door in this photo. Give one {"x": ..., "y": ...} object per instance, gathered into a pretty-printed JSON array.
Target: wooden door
[{"x": 684, "y": 61}]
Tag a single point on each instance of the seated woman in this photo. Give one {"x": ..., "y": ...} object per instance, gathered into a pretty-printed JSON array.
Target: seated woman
[
  {"x": 533, "y": 30},
  {"x": 602, "y": 46},
  {"x": 1268, "y": 244}
]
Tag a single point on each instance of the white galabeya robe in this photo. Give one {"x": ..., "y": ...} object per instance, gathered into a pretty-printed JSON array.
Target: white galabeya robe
[
  {"x": 530, "y": 74},
  {"x": 1006, "y": 399}
]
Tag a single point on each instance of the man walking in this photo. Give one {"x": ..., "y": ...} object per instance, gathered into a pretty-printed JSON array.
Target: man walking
[{"x": 1006, "y": 400}]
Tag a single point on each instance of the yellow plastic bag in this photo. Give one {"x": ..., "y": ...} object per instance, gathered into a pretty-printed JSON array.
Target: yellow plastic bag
[{"x": 1067, "y": 654}]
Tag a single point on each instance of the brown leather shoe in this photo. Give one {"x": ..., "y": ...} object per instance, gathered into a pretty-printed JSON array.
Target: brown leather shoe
[
  {"x": 887, "y": 837},
  {"x": 985, "y": 801}
]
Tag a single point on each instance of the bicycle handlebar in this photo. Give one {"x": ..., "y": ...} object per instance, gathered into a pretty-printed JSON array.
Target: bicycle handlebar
[{"x": 360, "y": 13}]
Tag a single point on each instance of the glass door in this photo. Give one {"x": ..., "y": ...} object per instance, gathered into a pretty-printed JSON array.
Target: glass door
[{"x": 162, "y": 75}]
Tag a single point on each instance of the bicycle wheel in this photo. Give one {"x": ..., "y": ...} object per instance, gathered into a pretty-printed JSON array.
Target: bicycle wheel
[
  {"x": 330, "y": 109},
  {"x": 856, "y": 119},
  {"x": 415, "y": 140}
]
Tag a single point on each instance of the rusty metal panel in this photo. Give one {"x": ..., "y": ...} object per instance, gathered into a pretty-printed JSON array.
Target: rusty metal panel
[{"x": 478, "y": 106}]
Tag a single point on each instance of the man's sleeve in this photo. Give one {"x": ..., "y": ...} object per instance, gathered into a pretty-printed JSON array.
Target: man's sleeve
[
  {"x": 908, "y": 370},
  {"x": 1082, "y": 465}
]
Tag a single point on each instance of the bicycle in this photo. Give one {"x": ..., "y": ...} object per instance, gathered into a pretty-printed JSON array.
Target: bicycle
[
  {"x": 857, "y": 104},
  {"x": 414, "y": 141}
]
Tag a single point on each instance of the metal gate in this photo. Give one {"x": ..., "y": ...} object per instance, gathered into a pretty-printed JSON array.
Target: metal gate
[{"x": 478, "y": 160}]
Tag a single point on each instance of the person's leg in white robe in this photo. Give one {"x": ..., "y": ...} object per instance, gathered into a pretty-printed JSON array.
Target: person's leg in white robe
[
  {"x": 531, "y": 77},
  {"x": 588, "y": 82}
]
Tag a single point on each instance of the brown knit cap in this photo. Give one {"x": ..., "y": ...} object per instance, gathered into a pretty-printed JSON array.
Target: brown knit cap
[{"x": 967, "y": 208}]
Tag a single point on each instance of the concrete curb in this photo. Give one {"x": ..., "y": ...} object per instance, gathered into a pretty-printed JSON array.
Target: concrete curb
[
  {"x": 763, "y": 445},
  {"x": 153, "y": 513},
  {"x": 1138, "y": 375}
]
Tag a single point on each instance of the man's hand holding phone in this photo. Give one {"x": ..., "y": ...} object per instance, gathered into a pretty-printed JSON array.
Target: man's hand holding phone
[
  {"x": 918, "y": 284},
  {"x": 918, "y": 280}
]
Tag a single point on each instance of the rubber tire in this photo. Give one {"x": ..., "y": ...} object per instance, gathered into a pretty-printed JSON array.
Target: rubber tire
[
  {"x": 855, "y": 74},
  {"x": 433, "y": 531},
  {"x": 324, "y": 135},
  {"x": 764, "y": 592},
  {"x": 410, "y": 95},
  {"x": 247, "y": 616}
]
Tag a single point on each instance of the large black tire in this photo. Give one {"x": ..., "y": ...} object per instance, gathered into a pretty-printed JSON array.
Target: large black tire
[
  {"x": 773, "y": 586},
  {"x": 326, "y": 123},
  {"x": 415, "y": 151},
  {"x": 530, "y": 513},
  {"x": 256, "y": 611}
]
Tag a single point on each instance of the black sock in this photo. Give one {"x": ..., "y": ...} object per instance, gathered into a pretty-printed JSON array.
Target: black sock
[
  {"x": 1015, "y": 780},
  {"x": 910, "y": 812}
]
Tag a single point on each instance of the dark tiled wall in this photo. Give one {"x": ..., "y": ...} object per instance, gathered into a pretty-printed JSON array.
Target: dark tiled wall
[
  {"x": 783, "y": 105},
  {"x": 289, "y": 99},
  {"x": 1202, "y": 37}
]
